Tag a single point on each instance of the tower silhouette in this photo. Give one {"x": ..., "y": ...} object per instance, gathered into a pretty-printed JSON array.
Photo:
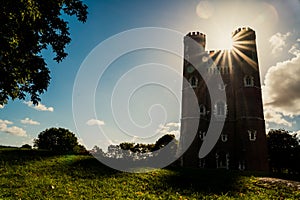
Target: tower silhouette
[{"x": 242, "y": 142}]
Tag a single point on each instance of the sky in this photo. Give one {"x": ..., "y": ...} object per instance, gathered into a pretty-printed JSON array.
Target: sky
[{"x": 119, "y": 109}]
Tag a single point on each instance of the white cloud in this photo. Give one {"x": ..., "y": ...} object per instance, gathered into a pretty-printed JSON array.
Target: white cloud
[
  {"x": 282, "y": 87},
  {"x": 295, "y": 49},
  {"x": 29, "y": 121},
  {"x": 278, "y": 42},
  {"x": 93, "y": 122},
  {"x": 39, "y": 107},
  {"x": 5, "y": 122},
  {"x": 281, "y": 90},
  {"x": 170, "y": 128},
  {"x": 13, "y": 130},
  {"x": 275, "y": 117}
]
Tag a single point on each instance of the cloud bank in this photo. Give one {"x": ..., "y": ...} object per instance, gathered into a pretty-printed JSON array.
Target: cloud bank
[
  {"x": 282, "y": 87},
  {"x": 93, "y": 122},
  {"x": 12, "y": 130},
  {"x": 29, "y": 121},
  {"x": 170, "y": 128},
  {"x": 277, "y": 42},
  {"x": 281, "y": 90},
  {"x": 39, "y": 107}
]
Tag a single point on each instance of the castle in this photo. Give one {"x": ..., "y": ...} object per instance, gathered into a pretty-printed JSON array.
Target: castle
[{"x": 241, "y": 143}]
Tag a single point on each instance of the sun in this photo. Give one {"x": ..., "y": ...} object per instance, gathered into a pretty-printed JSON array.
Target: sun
[{"x": 225, "y": 42}]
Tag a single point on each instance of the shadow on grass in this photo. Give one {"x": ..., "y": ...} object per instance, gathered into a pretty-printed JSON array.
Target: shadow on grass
[
  {"x": 91, "y": 167},
  {"x": 83, "y": 167},
  {"x": 217, "y": 181},
  {"x": 17, "y": 156},
  {"x": 184, "y": 180}
]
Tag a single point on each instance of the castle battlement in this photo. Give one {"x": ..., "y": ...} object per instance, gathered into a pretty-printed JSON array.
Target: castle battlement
[
  {"x": 243, "y": 31},
  {"x": 196, "y": 34}
]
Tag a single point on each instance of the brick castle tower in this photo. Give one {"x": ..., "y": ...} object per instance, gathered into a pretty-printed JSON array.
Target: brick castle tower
[{"x": 242, "y": 142}]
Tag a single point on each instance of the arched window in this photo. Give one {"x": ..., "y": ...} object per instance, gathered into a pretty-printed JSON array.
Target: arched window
[
  {"x": 252, "y": 135},
  {"x": 193, "y": 81},
  {"x": 202, "y": 163},
  {"x": 248, "y": 81},
  {"x": 242, "y": 166},
  {"x": 202, "y": 135},
  {"x": 224, "y": 137},
  {"x": 220, "y": 109},
  {"x": 202, "y": 109}
]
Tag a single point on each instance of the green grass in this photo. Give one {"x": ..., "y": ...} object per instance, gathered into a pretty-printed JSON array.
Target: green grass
[{"x": 29, "y": 174}]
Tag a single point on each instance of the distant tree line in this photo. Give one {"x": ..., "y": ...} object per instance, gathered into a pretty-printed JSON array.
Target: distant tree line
[{"x": 138, "y": 151}]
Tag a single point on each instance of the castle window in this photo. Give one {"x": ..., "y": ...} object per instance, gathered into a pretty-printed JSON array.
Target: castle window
[
  {"x": 186, "y": 48},
  {"x": 224, "y": 137},
  {"x": 187, "y": 57},
  {"x": 242, "y": 165},
  {"x": 218, "y": 70},
  {"x": 252, "y": 135},
  {"x": 202, "y": 135},
  {"x": 222, "y": 86},
  {"x": 202, "y": 110},
  {"x": 226, "y": 70},
  {"x": 222, "y": 160},
  {"x": 220, "y": 109},
  {"x": 202, "y": 163},
  {"x": 227, "y": 160},
  {"x": 193, "y": 81},
  {"x": 248, "y": 81}
]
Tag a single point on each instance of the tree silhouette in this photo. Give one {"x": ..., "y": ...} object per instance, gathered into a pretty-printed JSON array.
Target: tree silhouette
[
  {"x": 284, "y": 151},
  {"x": 27, "y": 28},
  {"x": 59, "y": 140}
]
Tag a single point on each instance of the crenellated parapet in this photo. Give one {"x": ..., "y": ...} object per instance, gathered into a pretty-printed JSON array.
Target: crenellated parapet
[
  {"x": 197, "y": 36},
  {"x": 244, "y": 33}
]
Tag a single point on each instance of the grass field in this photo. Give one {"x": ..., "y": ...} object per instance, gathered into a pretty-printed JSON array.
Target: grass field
[{"x": 29, "y": 174}]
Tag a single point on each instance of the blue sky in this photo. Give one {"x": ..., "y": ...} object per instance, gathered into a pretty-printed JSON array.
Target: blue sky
[{"x": 277, "y": 26}]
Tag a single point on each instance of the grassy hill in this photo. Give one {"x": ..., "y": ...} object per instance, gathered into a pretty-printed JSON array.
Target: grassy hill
[{"x": 30, "y": 174}]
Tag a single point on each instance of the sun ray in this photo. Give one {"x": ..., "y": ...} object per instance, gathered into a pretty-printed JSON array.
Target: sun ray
[
  {"x": 219, "y": 56},
  {"x": 235, "y": 55},
  {"x": 246, "y": 58},
  {"x": 223, "y": 61},
  {"x": 248, "y": 42},
  {"x": 241, "y": 46},
  {"x": 240, "y": 35}
]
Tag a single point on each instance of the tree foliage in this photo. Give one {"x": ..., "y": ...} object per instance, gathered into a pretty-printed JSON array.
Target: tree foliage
[
  {"x": 57, "y": 139},
  {"x": 27, "y": 27},
  {"x": 144, "y": 148},
  {"x": 26, "y": 146},
  {"x": 138, "y": 151},
  {"x": 284, "y": 151}
]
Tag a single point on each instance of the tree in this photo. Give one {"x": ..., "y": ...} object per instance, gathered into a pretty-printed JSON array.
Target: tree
[
  {"x": 27, "y": 28},
  {"x": 26, "y": 146},
  {"x": 284, "y": 151},
  {"x": 57, "y": 139},
  {"x": 163, "y": 141}
]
